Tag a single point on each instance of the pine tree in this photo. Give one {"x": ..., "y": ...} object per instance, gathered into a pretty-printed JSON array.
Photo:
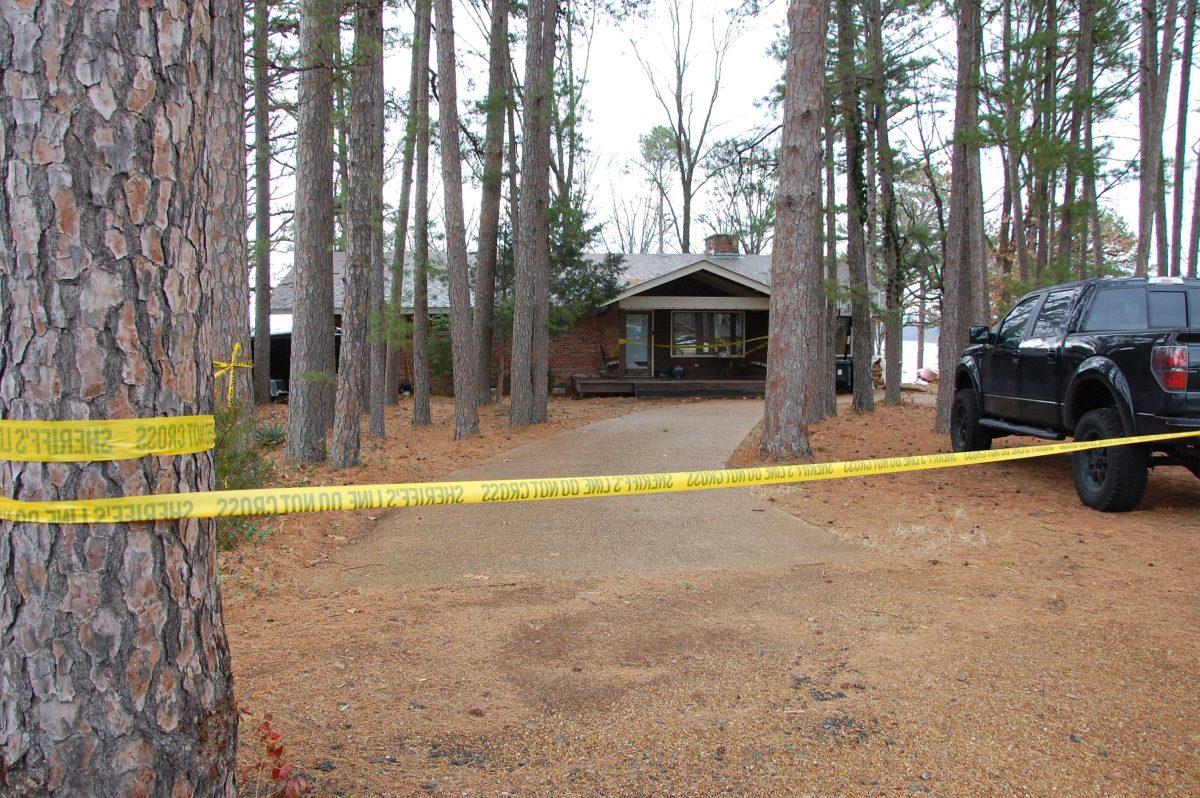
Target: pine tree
[
  {"x": 796, "y": 353},
  {"x": 312, "y": 384},
  {"x": 115, "y": 670},
  {"x": 466, "y": 419}
]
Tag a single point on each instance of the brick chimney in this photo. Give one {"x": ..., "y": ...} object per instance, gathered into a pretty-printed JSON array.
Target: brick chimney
[{"x": 720, "y": 244}]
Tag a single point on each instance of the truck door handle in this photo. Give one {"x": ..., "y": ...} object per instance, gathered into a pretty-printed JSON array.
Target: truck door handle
[{"x": 1052, "y": 355}]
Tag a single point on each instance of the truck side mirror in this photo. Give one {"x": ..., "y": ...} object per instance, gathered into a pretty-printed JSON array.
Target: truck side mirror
[{"x": 980, "y": 334}]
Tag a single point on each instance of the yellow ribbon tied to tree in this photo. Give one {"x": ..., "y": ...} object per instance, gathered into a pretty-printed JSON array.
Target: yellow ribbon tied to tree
[{"x": 228, "y": 368}]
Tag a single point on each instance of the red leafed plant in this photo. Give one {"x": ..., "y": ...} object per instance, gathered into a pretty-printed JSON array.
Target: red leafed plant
[{"x": 284, "y": 780}]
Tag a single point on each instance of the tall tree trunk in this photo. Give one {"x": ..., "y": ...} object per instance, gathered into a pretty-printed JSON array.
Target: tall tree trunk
[
  {"x": 366, "y": 94},
  {"x": 225, "y": 241},
  {"x": 856, "y": 256},
  {"x": 1079, "y": 98},
  {"x": 541, "y": 323},
  {"x": 312, "y": 384},
  {"x": 396, "y": 298},
  {"x": 262, "y": 206},
  {"x": 1012, "y": 130},
  {"x": 795, "y": 354},
  {"x": 1180, "y": 168},
  {"x": 832, "y": 285},
  {"x": 1194, "y": 237},
  {"x": 341, "y": 115},
  {"x": 1154, "y": 77},
  {"x": 894, "y": 321},
  {"x": 114, "y": 666},
  {"x": 921, "y": 323},
  {"x": 1161, "y": 233},
  {"x": 1050, "y": 132},
  {"x": 420, "y": 325},
  {"x": 1089, "y": 181},
  {"x": 462, "y": 341},
  {"x": 377, "y": 398},
  {"x": 532, "y": 289},
  {"x": 489, "y": 206},
  {"x": 958, "y": 274}
]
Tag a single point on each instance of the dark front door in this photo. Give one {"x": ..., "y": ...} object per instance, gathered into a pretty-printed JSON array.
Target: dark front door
[
  {"x": 638, "y": 353},
  {"x": 1001, "y": 364},
  {"x": 1041, "y": 369}
]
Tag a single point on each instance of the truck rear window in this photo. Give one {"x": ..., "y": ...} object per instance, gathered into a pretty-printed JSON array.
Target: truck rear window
[
  {"x": 1168, "y": 309},
  {"x": 1117, "y": 309}
]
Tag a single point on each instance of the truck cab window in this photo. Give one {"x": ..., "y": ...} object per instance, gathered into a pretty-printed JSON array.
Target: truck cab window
[
  {"x": 1012, "y": 329},
  {"x": 1052, "y": 321},
  {"x": 1117, "y": 310}
]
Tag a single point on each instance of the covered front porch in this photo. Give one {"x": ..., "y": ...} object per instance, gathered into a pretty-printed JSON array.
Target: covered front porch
[{"x": 698, "y": 331}]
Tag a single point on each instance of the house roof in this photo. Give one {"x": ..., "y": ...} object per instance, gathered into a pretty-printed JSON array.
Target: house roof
[
  {"x": 713, "y": 265},
  {"x": 283, "y": 294},
  {"x": 642, "y": 271}
]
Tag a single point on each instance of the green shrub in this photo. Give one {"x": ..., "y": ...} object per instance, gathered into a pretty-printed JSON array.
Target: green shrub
[
  {"x": 239, "y": 466},
  {"x": 269, "y": 435}
]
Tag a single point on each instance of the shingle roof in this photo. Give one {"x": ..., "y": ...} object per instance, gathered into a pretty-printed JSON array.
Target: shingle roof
[
  {"x": 639, "y": 268},
  {"x": 282, "y": 295}
]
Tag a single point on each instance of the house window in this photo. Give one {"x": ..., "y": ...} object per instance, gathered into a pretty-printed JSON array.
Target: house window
[{"x": 707, "y": 333}]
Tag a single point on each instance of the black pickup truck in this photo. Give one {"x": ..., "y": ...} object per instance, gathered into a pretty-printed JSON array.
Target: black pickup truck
[{"x": 1102, "y": 358}]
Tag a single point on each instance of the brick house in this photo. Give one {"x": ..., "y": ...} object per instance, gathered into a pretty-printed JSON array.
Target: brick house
[{"x": 685, "y": 324}]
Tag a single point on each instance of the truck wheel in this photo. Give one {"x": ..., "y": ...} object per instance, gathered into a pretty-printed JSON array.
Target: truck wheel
[
  {"x": 966, "y": 434},
  {"x": 1110, "y": 480}
]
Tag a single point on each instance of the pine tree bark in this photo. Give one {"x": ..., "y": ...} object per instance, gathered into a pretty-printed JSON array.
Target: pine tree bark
[
  {"x": 1154, "y": 75},
  {"x": 530, "y": 340},
  {"x": 114, "y": 666},
  {"x": 795, "y": 352},
  {"x": 489, "y": 206},
  {"x": 262, "y": 206},
  {"x": 377, "y": 397},
  {"x": 959, "y": 284},
  {"x": 1080, "y": 96},
  {"x": 462, "y": 341},
  {"x": 893, "y": 321},
  {"x": 1012, "y": 129},
  {"x": 366, "y": 95},
  {"x": 1087, "y": 39},
  {"x": 420, "y": 326},
  {"x": 225, "y": 243},
  {"x": 396, "y": 298},
  {"x": 312, "y": 384},
  {"x": 856, "y": 257},
  {"x": 1194, "y": 236},
  {"x": 832, "y": 284},
  {"x": 1180, "y": 168}
]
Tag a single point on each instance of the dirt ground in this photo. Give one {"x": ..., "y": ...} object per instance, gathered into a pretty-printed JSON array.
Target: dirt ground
[{"x": 995, "y": 638}]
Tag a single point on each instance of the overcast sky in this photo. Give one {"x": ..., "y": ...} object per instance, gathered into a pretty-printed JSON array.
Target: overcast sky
[{"x": 621, "y": 104}]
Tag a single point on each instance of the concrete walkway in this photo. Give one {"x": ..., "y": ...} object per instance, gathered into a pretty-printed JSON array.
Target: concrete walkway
[{"x": 665, "y": 533}]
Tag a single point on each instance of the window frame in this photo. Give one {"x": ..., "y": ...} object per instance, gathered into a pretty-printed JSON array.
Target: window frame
[{"x": 741, "y": 343}]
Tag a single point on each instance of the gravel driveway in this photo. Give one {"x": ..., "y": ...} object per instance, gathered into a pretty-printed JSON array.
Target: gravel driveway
[{"x": 595, "y": 537}]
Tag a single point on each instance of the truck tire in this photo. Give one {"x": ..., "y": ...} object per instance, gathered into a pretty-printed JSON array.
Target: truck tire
[
  {"x": 966, "y": 434},
  {"x": 1110, "y": 480}
]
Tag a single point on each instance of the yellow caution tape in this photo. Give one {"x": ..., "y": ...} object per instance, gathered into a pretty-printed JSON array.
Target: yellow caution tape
[
  {"x": 275, "y": 501},
  {"x": 228, "y": 368},
  {"x": 714, "y": 343},
  {"x": 104, "y": 439}
]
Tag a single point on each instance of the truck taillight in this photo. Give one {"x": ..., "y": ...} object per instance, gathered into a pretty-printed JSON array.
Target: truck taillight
[{"x": 1170, "y": 367}]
